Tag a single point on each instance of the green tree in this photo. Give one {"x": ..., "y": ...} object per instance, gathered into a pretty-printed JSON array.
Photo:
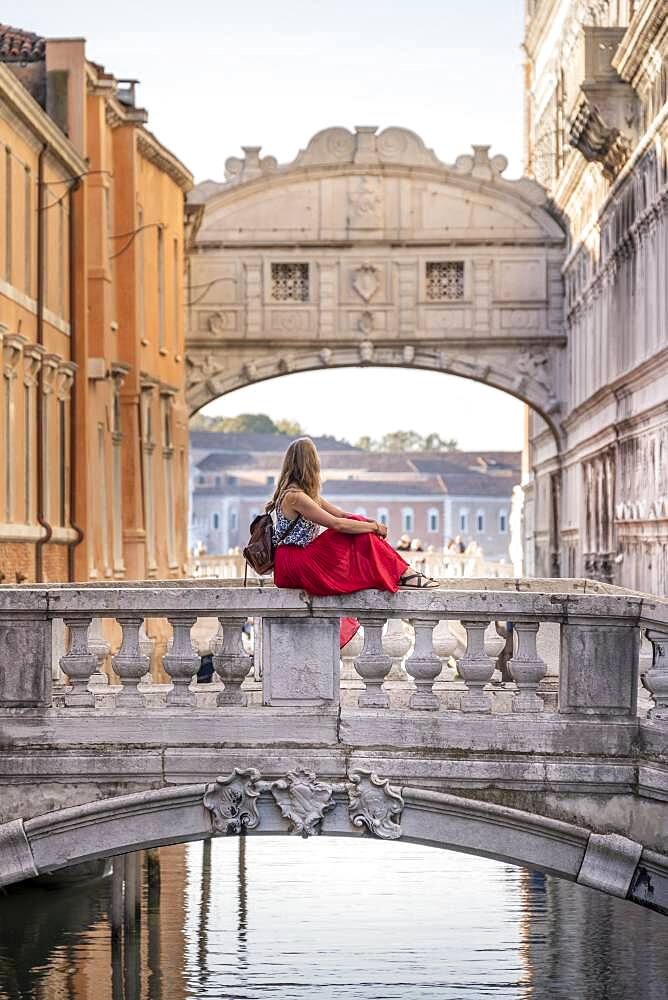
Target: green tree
[
  {"x": 366, "y": 443},
  {"x": 400, "y": 441},
  {"x": 290, "y": 427},
  {"x": 256, "y": 423},
  {"x": 434, "y": 442}
]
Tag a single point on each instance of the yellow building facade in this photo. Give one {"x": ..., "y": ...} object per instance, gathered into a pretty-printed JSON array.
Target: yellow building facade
[{"x": 93, "y": 449}]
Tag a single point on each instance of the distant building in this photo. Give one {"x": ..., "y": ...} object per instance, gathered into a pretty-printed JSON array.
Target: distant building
[
  {"x": 93, "y": 423},
  {"x": 430, "y": 496}
]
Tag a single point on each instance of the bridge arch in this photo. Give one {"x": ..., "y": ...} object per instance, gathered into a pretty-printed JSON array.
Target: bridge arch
[
  {"x": 120, "y": 824},
  {"x": 368, "y": 250}
]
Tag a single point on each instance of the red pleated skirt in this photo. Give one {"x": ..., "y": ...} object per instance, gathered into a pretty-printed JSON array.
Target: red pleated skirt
[{"x": 338, "y": 563}]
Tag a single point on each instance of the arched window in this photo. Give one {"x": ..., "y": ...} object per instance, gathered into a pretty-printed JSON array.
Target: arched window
[
  {"x": 503, "y": 521},
  {"x": 407, "y": 520},
  {"x": 234, "y": 520},
  {"x": 480, "y": 522},
  {"x": 432, "y": 519},
  {"x": 216, "y": 521},
  {"x": 383, "y": 516},
  {"x": 463, "y": 520}
]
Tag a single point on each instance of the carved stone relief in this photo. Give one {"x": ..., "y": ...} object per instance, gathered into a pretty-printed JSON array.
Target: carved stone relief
[
  {"x": 375, "y": 805},
  {"x": 303, "y": 800},
  {"x": 231, "y": 801},
  {"x": 366, "y": 281},
  {"x": 221, "y": 322},
  {"x": 365, "y": 203}
]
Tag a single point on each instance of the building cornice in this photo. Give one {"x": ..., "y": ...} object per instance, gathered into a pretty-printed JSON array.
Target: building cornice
[
  {"x": 153, "y": 151},
  {"x": 26, "y": 108},
  {"x": 640, "y": 36}
]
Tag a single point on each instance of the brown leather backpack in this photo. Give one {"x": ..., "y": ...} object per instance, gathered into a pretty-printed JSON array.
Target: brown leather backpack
[{"x": 259, "y": 552}]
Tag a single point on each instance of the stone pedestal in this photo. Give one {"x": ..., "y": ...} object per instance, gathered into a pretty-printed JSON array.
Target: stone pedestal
[{"x": 300, "y": 662}]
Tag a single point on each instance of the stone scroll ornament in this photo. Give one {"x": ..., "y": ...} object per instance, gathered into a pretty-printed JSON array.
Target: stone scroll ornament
[
  {"x": 231, "y": 801},
  {"x": 375, "y": 805},
  {"x": 303, "y": 800}
]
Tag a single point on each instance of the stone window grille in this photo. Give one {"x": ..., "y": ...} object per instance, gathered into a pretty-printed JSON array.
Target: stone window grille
[
  {"x": 445, "y": 280},
  {"x": 290, "y": 282}
]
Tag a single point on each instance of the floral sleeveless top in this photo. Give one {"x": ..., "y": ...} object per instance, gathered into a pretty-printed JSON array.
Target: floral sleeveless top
[{"x": 302, "y": 534}]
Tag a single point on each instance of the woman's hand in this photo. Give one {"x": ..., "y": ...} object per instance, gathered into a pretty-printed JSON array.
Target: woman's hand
[{"x": 381, "y": 530}]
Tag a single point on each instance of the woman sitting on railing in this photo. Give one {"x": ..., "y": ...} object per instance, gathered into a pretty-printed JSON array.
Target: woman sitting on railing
[{"x": 352, "y": 554}]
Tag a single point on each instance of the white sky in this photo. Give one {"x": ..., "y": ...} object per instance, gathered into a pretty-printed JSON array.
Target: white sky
[{"x": 216, "y": 75}]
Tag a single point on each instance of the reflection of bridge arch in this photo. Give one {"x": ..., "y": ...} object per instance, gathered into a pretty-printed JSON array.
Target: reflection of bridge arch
[
  {"x": 368, "y": 250},
  {"x": 132, "y": 822}
]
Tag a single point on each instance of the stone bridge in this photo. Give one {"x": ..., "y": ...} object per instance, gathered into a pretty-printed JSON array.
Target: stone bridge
[
  {"x": 366, "y": 249},
  {"x": 544, "y": 756}
]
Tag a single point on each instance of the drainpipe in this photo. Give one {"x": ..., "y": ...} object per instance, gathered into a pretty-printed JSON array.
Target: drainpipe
[
  {"x": 41, "y": 514},
  {"x": 73, "y": 393}
]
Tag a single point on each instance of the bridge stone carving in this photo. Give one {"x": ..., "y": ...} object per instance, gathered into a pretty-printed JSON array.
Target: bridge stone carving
[
  {"x": 558, "y": 769},
  {"x": 366, "y": 249}
]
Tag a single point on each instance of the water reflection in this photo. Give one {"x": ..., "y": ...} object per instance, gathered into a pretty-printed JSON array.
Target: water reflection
[{"x": 327, "y": 918}]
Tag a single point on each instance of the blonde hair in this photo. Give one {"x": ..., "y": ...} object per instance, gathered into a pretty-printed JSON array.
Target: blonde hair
[{"x": 300, "y": 470}]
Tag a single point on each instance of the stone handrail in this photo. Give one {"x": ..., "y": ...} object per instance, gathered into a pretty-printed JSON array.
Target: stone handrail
[{"x": 299, "y": 643}]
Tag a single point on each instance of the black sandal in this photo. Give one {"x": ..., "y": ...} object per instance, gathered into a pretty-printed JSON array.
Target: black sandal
[{"x": 422, "y": 582}]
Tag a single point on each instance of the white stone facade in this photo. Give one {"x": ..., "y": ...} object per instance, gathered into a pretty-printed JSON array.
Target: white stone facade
[
  {"x": 597, "y": 138},
  {"x": 367, "y": 250}
]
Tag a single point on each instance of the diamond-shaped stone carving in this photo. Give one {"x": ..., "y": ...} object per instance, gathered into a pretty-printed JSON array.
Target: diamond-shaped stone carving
[
  {"x": 366, "y": 281},
  {"x": 303, "y": 800},
  {"x": 231, "y": 801},
  {"x": 375, "y": 805}
]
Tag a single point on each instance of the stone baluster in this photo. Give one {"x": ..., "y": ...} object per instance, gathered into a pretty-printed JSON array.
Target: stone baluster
[
  {"x": 527, "y": 668},
  {"x": 373, "y": 665},
  {"x": 349, "y": 654},
  {"x": 78, "y": 664},
  {"x": 216, "y": 647},
  {"x": 424, "y": 666},
  {"x": 100, "y": 648},
  {"x": 397, "y": 640},
  {"x": 231, "y": 662},
  {"x": 181, "y": 662},
  {"x": 656, "y": 678},
  {"x": 476, "y": 667},
  {"x": 130, "y": 664}
]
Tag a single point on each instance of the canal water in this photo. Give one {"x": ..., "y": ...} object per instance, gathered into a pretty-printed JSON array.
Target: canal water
[{"x": 331, "y": 919}]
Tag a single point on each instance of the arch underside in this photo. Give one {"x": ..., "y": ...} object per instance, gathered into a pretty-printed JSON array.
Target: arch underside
[
  {"x": 521, "y": 373},
  {"x": 172, "y": 815}
]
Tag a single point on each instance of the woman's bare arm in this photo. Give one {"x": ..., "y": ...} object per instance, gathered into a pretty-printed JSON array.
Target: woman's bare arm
[
  {"x": 300, "y": 503},
  {"x": 331, "y": 509}
]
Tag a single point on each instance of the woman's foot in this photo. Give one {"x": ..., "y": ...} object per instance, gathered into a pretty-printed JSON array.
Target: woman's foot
[{"x": 417, "y": 581}]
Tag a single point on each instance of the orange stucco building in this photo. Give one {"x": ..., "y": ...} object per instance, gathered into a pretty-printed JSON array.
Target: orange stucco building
[{"x": 93, "y": 442}]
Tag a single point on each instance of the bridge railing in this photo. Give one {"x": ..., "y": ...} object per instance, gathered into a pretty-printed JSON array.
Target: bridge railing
[{"x": 297, "y": 644}]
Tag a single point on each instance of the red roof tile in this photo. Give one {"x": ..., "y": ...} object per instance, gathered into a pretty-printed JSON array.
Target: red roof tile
[{"x": 17, "y": 45}]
